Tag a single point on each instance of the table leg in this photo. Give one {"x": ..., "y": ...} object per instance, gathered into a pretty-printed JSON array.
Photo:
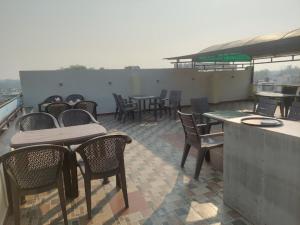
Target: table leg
[
  {"x": 160, "y": 111},
  {"x": 155, "y": 109},
  {"x": 281, "y": 107},
  {"x": 286, "y": 111},
  {"x": 255, "y": 104},
  {"x": 73, "y": 173},
  {"x": 140, "y": 109},
  {"x": 67, "y": 177},
  {"x": 287, "y": 106}
]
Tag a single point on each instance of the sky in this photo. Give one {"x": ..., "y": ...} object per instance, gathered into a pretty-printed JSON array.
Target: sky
[{"x": 51, "y": 34}]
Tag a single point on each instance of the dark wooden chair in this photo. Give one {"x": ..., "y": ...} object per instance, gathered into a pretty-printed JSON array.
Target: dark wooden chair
[
  {"x": 202, "y": 142},
  {"x": 200, "y": 106},
  {"x": 74, "y": 98},
  {"x": 32, "y": 170},
  {"x": 117, "y": 105},
  {"x": 36, "y": 121},
  {"x": 286, "y": 103},
  {"x": 161, "y": 102},
  {"x": 74, "y": 117},
  {"x": 266, "y": 107},
  {"x": 56, "y": 108},
  {"x": 125, "y": 109},
  {"x": 89, "y": 106},
  {"x": 103, "y": 157},
  {"x": 294, "y": 113},
  {"x": 174, "y": 103},
  {"x": 51, "y": 99}
]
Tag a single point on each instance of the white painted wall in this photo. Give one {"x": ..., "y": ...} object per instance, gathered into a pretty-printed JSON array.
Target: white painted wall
[{"x": 94, "y": 84}]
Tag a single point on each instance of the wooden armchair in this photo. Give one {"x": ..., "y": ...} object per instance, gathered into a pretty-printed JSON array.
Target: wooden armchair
[
  {"x": 266, "y": 107},
  {"x": 56, "y": 108},
  {"x": 103, "y": 157},
  {"x": 294, "y": 113},
  {"x": 51, "y": 99},
  {"x": 202, "y": 142},
  {"x": 74, "y": 98},
  {"x": 32, "y": 170},
  {"x": 36, "y": 121},
  {"x": 74, "y": 117},
  {"x": 200, "y": 106},
  {"x": 89, "y": 106}
]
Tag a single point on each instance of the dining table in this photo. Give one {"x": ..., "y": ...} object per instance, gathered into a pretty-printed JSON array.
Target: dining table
[
  {"x": 66, "y": 136},
  {"x": 143, "y": 98},
  {"x": 285, "y": 100}
]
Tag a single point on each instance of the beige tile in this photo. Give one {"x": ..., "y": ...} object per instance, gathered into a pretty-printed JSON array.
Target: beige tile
[{"x": 159, "y": 190}]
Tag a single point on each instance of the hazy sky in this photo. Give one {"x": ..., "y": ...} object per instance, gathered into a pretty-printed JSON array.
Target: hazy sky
[{"x": 50, "y": 34}]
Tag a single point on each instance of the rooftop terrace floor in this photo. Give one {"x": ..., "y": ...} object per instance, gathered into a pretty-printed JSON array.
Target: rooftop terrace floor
[{"x": 160, "y": 192}]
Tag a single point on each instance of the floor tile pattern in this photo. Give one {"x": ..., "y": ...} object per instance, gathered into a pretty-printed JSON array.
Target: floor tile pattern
[{"x": 160, "y": 192}]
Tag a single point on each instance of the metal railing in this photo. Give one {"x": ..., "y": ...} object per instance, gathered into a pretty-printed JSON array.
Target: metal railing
[
  {"x": 274, "y": 87},
  {"x": 9, "y": 109}
]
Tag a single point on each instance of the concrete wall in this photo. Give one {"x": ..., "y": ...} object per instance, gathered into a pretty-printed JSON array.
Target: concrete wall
[
  {"x": 98, "y": 85},
  {"x": 261, "y": 172}
]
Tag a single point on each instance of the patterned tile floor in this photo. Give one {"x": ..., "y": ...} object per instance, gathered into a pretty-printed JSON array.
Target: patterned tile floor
[{"x": 160, "y": 192}]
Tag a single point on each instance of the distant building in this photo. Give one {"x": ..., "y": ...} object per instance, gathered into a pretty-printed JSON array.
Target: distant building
[{"x": 132, "y": 68}]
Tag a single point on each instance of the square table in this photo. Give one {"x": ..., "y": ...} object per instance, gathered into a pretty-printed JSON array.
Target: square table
[
  {"x": 140, "y": 98},
  {"x": 284, "y": 99},
  {"x": 61, "y": 136}
]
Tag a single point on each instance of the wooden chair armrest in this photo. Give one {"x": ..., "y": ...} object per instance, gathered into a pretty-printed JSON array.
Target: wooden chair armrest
[
  {"x": 212, "y": 135},
  {"x": 200, "y": 125},
  {"x": 131, "y": 104}
]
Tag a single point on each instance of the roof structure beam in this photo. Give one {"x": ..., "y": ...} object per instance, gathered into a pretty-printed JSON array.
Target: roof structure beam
[{"x": 261, "y": 47}]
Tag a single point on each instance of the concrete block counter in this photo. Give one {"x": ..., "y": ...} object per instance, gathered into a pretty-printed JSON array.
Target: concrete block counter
[{"x": 262, "y": 170}]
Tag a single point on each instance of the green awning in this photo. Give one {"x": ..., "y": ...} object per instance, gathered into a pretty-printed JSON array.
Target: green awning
[{"x": 232, "y": 57}]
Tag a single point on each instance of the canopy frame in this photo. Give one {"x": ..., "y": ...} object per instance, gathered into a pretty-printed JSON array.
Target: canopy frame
[
  {"x": 217, "y": 66},
  {"x": 274, "y": 48}
]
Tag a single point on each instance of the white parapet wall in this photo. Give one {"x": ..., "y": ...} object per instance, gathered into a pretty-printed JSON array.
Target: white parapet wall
[{"x": 98, "y": 85}]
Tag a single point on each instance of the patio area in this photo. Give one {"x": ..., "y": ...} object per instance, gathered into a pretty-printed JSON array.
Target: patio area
[
  {"x": 160, "y": 192},
  {"x": 150, "y": 112}
]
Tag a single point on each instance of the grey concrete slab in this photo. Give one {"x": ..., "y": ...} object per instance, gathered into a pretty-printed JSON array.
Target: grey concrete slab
[{"x": 261, "y": 172}]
